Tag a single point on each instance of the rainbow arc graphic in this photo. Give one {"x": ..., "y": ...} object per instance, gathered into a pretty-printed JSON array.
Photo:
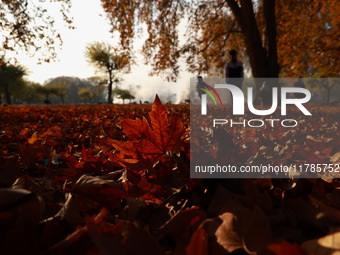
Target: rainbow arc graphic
[{"x": 209, "y": 93}]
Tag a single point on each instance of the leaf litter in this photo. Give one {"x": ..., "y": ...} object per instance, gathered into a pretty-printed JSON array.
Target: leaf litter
[{"x": 115, "y": 179}]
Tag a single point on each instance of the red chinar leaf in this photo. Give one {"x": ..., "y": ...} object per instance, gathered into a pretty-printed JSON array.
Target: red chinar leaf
[{"x": 154, "y": 140}]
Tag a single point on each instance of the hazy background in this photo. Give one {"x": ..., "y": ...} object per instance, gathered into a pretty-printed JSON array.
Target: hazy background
[{"x": 91, "y": 25}]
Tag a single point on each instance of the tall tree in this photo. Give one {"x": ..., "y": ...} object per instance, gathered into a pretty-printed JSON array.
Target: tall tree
[
  {"x": 98, "y": 86},
  {"x": 124, "y": 94},
  {"x": 218, "y": 18},
  {"x": 27, "y": 25},
  {"x": 58, "y": 88},
  {"x": 47, "y": 91},
  {"x": 10, "y": 75},
  {"x": 106, "y": 59},
  {"x": 70, "y": 95},
  {"x": 308, "y": 37},
  {"x": 262, "y": 29},
  {"x": 31, "y": 94},
  {"x": 87, "y": 94}
]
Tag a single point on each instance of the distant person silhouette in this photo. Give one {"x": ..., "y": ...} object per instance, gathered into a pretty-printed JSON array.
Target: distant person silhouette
[
  {"x": 200, "y": 84},
  {"x": 234, "y": 70}
]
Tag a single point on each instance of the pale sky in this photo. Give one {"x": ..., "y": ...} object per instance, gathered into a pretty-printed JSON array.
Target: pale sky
[{"x": 91, "y": 25}]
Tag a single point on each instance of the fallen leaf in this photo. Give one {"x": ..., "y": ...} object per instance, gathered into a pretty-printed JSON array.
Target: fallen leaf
[
  {"x": 151, "y": 141},
  {"x": 329, "y": 244},
  {"x": 285, "y": 248}
]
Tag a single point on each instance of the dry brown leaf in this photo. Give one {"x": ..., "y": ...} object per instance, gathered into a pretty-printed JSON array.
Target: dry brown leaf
[{"x": 327, "y": 245}]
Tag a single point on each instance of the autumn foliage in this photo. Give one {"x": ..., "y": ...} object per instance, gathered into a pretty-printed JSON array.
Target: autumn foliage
[
  {"x": 106, "y": 179},
  {"x": 278, "y": 38}
]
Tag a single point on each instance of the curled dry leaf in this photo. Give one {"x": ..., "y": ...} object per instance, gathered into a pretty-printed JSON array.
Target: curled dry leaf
[
  {"x": 226, "y": 234},
  {"x": 329, "y": 244},
  {"x": 98, "y": 188}
]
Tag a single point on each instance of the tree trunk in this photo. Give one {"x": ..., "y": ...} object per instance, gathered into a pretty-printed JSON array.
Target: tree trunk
[
  {"x": 253, "y": 42},
  {"x": 109, "y": 99},
  {"x": 262, "y": 56},
  {"x": 246, "y": 18},
  {"x": 263, "y": 61},
  {"x": 7, "y": 95},
  {"x": 270, "y": 35}
]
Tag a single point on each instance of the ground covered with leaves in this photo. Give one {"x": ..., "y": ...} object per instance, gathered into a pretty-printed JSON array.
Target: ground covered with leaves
[{"x": 115, "y": 179}]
